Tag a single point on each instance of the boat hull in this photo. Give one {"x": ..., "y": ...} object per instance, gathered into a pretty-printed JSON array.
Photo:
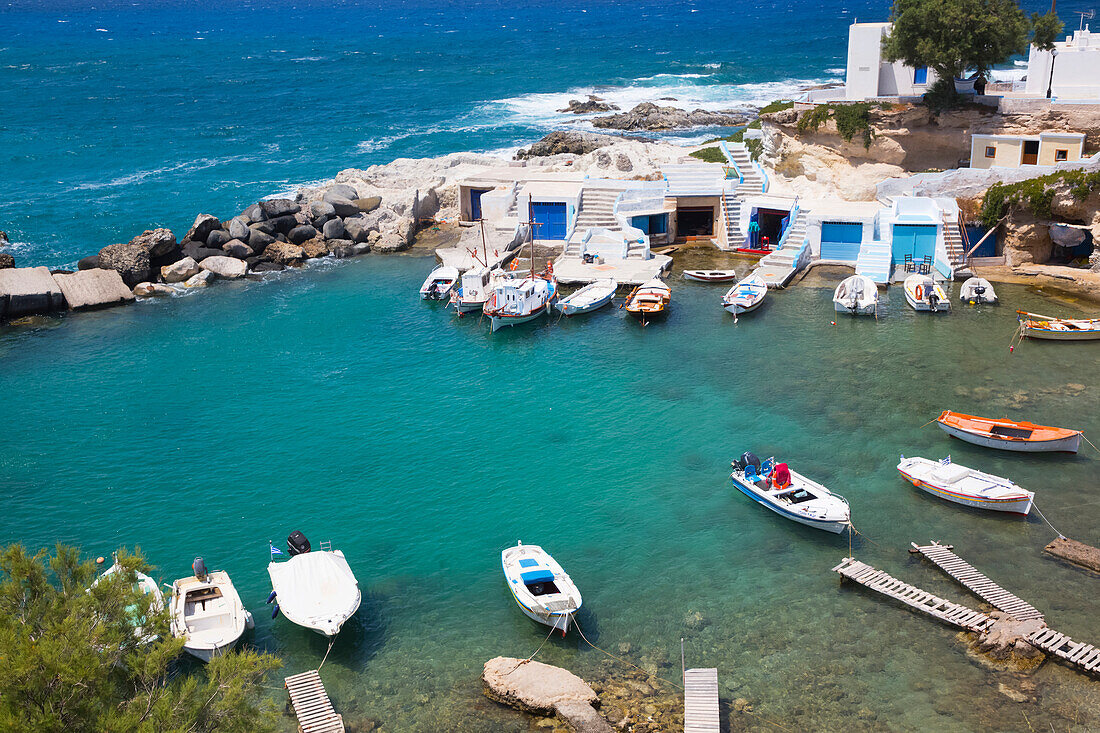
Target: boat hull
[
  {"x": 559, "y": 621},
  {"x": 499, "y": 322},
  {"x": 1069, "y": 444},
  {"x": 569, "y": 309},
  {"x": 943, "y": 306},
  {"x": 715, "y": 276},
  {"x": 463, "y": 307},
  {"x": 836, "y": 527},
  {"x": 207, "y": 653},
  {"x": 867, "y": 309},
  {"x": 737, "y": 308},
  {"x": 1048, "y": 335},
  {"x": 1020, "y": 505}
]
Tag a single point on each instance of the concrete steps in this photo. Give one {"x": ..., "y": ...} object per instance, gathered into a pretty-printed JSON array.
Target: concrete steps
[
  {"x": 753, "y": 182},
  {"x": 875, "y": 261},
  {"x": 731, "y": 212}
]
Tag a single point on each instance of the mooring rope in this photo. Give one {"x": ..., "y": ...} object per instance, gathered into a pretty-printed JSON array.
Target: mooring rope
[
  {"x": 330, "y": 643},
  {"x": 525, "y": 661},
  {"x": 620, "y": 659},
  {"x": 1085, "y": 438},
  {"x": 1036, "y": 508}
]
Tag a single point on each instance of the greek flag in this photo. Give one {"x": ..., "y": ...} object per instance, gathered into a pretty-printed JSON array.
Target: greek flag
[
  {"x": 945, "y": 461},
  {"x": 275, "y": 550}
]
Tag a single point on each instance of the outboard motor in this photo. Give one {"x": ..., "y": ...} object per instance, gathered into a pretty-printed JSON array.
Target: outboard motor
[
  {"x": 297, "y": 544},
  {"x": 933, "y": 299},
  {"x": 199, "y": 568},
  {"x": 750, "y": 459}
]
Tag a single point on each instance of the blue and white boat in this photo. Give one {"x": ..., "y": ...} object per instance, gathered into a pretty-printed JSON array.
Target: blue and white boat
[
  {"x": 746, "y": 295},
  {"x": 790, "y": 494},
  {"x": 541, "y": 589},
  {"x": 589, "y": 298}
]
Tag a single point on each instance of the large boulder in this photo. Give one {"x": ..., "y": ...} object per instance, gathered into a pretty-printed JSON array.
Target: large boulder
[
  {"x": 334, "y": 229},
  {"x": 274, "y": 208},
  {"x": 406, "y": 229},
  {"x": 253, "y": 214},
  {"x": 180, "y": 270},
  {"x": 283, "y": 224},
  {"x": 342, "y": 206},
  {"x": 148, "y": 290},
  {"x": 389, "y": 243},
  {"x": 321, "y": 210},
  {"x": 573, "y": 143},
  {"x": 199, "y": 279},
  {"x": 238, "y": 229},
  {"x": 90, "y": 262},
  {"x": 158, "y": 242},
  {"x": 358, "y": 228},
  {"x": 217, "y": 239},
  {"x": 129, "y": 260},
  {"x": 542, "y": 689},
  {"x": 343, "y": 190},
  {"x": 301, "y": 233},
  {"x": 368, "y": 204},
  {"x": 237, "y": 248},
  {"x": 268, "y": 267},
  {"x": 649, "y": 116},
  {"x": 227, "y": 267},
  {"x": 6, "y": 261},
  {"x": 259, "y": 240},
  {"x": 313, "y": 248},
  {"x": 284, "y": 253},
  {"x": 199, "y": 252},
  {"x": 204, "y": 224},
  {"x": 593, "y": 104},
  {"x": 28, "y": 290}
]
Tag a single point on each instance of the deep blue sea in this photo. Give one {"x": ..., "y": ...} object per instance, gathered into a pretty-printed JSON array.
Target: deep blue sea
[{"x": 330, "y": 400}]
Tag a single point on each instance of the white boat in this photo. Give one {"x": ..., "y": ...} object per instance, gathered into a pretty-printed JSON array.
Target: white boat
[
  {"x": 541, "y": 589},
  {"x": 922, "y": 293},
  {"x": 592, "y": 296},
  {"x": 966, "y": 486},
  {"x": 147, "y": 587},
  {"x": 977, "y": 290},
  {"x": 746, "y": 295},
  {"x": 857, "y": 295},
  {"x": 438, "y": 284},
  {"x": 790, "y": 494},
  {"x": 314, "y": 588},
  {"x": 520, "y": 300},
  {"x": 1050, "y": 328},
  {"x": 474, "y": 288},
  {"x": 711, "y": 276},
  {"x": 207, "y": 613}
]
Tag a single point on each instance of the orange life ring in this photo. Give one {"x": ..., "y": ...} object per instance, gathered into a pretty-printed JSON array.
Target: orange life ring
[
  {"x": 919, "y": 292},
  {"x": 780, "y": 486}
]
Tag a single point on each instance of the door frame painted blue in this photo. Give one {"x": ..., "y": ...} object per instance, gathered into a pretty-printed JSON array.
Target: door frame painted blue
[
  {"x": 905, "y": 241},
  {"x": 552, "y": 217},
  {"x": 475, "y": 202},
  {"x": 841, "y": 240}
]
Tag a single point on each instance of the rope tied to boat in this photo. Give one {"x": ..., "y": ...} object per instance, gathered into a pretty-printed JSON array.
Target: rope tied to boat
[
  {"x": 525, "y": 661},
  {"x": 1085, "y": 438},
  {"x": 620, "y": 659},
  {"x": 1036, "y": 508},
  {"x": 330, "y": 643}
]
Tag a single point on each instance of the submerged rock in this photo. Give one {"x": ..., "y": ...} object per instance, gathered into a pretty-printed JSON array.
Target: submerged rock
[
  {"x": 592, "y": 104},
  {"x": 542, "y": 689}
]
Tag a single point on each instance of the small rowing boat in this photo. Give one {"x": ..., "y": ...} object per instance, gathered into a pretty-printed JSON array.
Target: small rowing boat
[
  {"x": 857, "y": 295},
  {"x": 207, "y": 613},
  {"x": 589, "y": 298},
  {"x": 1005, "y": 434},
  {"x": 790, "y": 495},
  {"x": 746, "y": 295},
  {"x": 649, "y": 300},
  {"x": 143, "y": 584},
  {"x": 965, "y": 486},
  {"x": 711, "y": 276},
  {"x": 541, "y": 589},
  {"x": 439, "y": 282},
  {"x": 922, "y": 293},
  {"x": 977, "y": 290},
  {"x": 1036, "y": 326}
]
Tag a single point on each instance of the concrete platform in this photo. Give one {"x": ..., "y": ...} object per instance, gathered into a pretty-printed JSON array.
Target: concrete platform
[
  {"x": 572, "y": 270},
  {"x": 774, "y": 276},
  {"x": 93, "y": 289},
  {"x": 26, "y": 291}
]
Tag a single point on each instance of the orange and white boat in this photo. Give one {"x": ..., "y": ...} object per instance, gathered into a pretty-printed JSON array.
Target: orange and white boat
[
  {"x": 1008, "y": 434},
  {"x": 1036, "y": 326},
  {"x": 649, "y": 300}
]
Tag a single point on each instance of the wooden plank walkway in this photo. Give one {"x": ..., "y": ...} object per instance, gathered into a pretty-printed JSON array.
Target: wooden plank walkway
[
  {"x": 1085, "y": 656},
  {"x": 701, "y": 701},
  {"x": 311, "y": 704},
  {"x": 977, "y": 582},
  {"x": 921, "y": 600}
]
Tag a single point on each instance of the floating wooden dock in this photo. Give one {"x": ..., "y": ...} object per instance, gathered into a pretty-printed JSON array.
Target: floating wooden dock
[
  {"x": 1085, "y": 656},
  {"x": 921, "y": 600},
  {"x": 977, "y": 582},
  {"x": 701, "y": 701},
  {"x": 311, "y": 704}
]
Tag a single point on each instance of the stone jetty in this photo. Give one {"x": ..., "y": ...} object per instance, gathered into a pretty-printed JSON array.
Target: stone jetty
[{"x": 543, "y": 689}]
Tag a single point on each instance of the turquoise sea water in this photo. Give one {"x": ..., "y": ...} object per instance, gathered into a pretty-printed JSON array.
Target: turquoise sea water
[{"x": 334, "y": 402}]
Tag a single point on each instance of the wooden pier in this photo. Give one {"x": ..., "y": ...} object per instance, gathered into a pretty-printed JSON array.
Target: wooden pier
[
  {"x": 311, "y": 704},
  {"x": 921, "y": 600},
  {"x": 977, "y": 582},
  {"x": 1085, "y": 656},
  {"x": 701, "y": 701}
]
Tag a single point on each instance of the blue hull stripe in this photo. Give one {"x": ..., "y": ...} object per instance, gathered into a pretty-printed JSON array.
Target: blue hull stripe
[{"x": 824, "y": 523}]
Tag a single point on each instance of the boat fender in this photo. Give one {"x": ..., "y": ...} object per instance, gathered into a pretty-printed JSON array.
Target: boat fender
[
  {"x": 271, "y": 597},
  {"x": 275, "y": 611},
  {"x": 249, "y": 622}
]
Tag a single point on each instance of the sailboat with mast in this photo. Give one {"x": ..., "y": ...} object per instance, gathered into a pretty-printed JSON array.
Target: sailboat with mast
[
  {"x": 523, "y": 299},
  {"x": 476, "y": 284}
]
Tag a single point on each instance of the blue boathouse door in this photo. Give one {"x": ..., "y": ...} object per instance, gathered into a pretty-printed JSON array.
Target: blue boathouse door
[
  {"x": 918, "y": 240},
  {"x": 840, "y": 240},
  {"x": 549, "y": 219},
  {"x": 475, "y": 202}
]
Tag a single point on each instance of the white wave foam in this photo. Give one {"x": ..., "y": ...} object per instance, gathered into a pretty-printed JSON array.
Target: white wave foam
[
  {"x": 655, "y": 77},
  {"x": 1007, "y": 74},
  {"x": 836, "y": 71},
  {"x": 139, "y": 176}
]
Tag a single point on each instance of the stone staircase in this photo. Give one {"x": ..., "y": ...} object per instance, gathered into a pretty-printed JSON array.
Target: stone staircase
[
  {"x": 952, "y": 238},
  {"x": 753, "y": 182},
  {"x": 875, "y": 261},
  {"x": 778, "y": 267},
  {"x": 731, "y": 212},
  {"x": 597, "y": 212}
]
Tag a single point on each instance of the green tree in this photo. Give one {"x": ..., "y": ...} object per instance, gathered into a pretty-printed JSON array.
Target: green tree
[
  {"x": 73, "y": 662},
  {"x": 1045, "y": 30},
  {"x": 951, "y": 36}
]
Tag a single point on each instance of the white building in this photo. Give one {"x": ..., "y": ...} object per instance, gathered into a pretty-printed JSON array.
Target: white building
[
  {"x": 1076, "y": 63},
  {"x": 869, "y": 75}
]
